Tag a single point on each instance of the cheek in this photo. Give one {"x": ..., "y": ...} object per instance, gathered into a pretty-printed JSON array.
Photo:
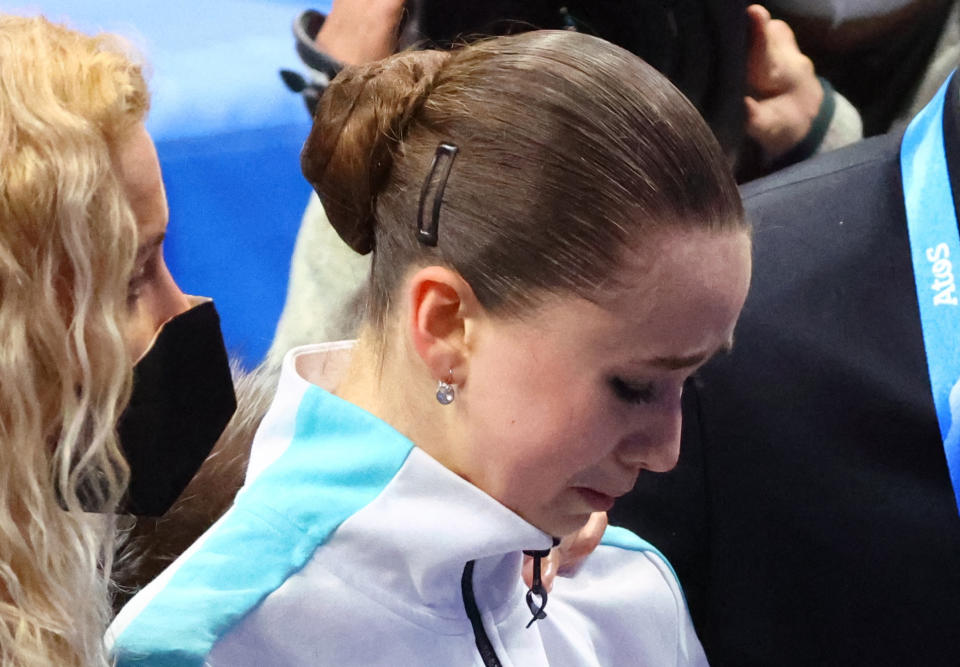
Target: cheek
[
  {"x": 138, "y": 332},
  {"x": 514, "y": 397},
  {"x": 534, "y": 428}
]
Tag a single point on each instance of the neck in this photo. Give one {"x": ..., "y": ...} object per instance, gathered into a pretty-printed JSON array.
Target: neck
[{"x": 390, "y": 382}]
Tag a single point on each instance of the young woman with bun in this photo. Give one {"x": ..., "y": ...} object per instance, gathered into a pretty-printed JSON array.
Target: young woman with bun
[{"x": 557, "y": 246}]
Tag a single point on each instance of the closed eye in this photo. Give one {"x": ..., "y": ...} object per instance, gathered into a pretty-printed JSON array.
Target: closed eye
[{"x": 632, "y": 392}]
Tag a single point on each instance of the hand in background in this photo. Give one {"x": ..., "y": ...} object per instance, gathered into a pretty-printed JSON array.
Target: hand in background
[
  {"x": 785, "y": 94},
  {"x": 360, "y": 31},
  {"x": 567, "y": 557}
]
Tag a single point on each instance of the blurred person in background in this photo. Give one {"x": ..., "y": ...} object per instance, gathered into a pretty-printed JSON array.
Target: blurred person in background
[{"x": 888, "y": 57}]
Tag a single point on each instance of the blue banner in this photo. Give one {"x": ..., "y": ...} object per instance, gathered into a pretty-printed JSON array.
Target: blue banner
[{"x": 935, "y": 250}]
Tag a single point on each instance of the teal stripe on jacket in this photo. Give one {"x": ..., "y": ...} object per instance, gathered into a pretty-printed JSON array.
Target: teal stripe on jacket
[
  {"x": 271, "y": 532},
  {"x": 615, "y": 536}
]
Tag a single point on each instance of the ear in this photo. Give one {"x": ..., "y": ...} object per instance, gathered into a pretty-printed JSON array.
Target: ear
[{"x": 441, "y": 303}]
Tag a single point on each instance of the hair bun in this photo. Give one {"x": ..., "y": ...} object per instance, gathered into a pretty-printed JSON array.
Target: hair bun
[{"x": 360, "y": 119}]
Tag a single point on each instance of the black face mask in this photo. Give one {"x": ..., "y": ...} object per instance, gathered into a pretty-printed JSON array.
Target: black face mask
[{"x": 182, "y": 399}]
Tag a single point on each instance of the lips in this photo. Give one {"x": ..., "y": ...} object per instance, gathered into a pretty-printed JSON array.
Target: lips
[{"x": 599, "y": 502}]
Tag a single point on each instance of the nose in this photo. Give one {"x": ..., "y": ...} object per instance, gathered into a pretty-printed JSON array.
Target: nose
[
  {"x": 160, "y": 300},
  {"x": 169, "y": 300},
  {"x": 655, "y": 445}
]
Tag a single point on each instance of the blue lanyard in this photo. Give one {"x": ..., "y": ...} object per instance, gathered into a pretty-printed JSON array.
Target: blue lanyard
[{"x": 935, "y": 250}]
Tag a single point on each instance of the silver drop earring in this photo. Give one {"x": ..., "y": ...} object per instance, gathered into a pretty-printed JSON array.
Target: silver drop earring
[{"x": 445, "y": 390}]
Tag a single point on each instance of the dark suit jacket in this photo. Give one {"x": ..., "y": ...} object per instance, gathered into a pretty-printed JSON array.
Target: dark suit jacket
[{"x": 811, "y": 517}]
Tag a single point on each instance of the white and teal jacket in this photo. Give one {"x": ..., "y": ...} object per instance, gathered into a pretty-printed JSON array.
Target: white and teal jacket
[{"x": 348, "y": 546}]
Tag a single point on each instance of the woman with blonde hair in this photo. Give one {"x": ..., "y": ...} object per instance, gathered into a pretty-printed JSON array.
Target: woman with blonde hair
[
  {"x": 86, "y": 308},
  {"x": 558, "y": 245}
]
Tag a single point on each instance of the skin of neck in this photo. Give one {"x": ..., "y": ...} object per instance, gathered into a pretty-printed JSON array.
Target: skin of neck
[{"x": 388, "y": 379}]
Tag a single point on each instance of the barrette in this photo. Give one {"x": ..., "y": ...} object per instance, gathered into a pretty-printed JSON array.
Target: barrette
[{"x": 431, "y": 195}]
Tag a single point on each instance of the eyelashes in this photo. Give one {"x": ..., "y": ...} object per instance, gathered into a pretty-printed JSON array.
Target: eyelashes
[
  {"x": 135, "y": 286},
  {"x": 142, "y": 275},
  {"x": 632, "y": 392}
]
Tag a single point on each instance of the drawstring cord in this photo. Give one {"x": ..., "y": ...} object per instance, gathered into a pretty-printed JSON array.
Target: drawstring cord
[{"x": 538, "y": 589}]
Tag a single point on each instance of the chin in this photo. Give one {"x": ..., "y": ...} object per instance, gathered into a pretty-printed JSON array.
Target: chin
[{"x": 561, "y": 526}]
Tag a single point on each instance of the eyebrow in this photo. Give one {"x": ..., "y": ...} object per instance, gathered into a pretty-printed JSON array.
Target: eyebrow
[
  {"x": 149, "y": 246},
  {"x": 678, "y": 363}
]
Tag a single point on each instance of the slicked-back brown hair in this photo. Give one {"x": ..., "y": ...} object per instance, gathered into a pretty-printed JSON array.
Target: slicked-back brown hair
[{"x": 571, "y": 149}]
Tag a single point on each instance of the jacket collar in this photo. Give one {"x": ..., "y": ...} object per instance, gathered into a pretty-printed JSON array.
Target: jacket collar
[{"x": 409, "y": 545}]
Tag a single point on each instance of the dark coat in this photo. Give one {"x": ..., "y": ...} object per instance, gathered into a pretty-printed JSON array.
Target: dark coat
[
  {"x": 700, "y": 45},
  {"x": 811, "y": 517}
]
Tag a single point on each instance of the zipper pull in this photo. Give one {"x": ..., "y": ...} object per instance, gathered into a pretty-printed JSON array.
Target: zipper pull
[{"x": 538, "y": 589}]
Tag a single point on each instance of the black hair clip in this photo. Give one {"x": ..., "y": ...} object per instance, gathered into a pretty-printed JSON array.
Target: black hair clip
[{"x": 431, "y": 195}]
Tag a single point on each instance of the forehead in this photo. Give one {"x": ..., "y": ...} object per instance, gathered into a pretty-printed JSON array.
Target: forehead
[
  {"x": 138, "y": 169},
  {"x": 680, "y": 295}
]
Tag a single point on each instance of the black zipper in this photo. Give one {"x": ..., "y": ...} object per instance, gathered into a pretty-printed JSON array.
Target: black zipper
[{"x": 484, "y": 646}]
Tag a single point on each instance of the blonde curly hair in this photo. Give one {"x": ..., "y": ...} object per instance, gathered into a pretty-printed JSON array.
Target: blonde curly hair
[{"x": 67, "y": 245}]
